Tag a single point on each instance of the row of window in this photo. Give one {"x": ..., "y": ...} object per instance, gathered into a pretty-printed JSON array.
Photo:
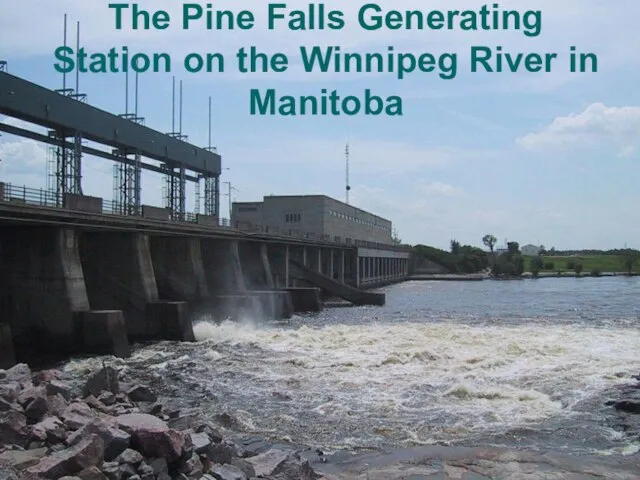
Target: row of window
[
  {"x": 358, "y": 220},
  {"x": 293, "y": 218}
]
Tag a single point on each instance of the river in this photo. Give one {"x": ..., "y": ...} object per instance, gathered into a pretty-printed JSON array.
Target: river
[{"x": 507, "y": 363}]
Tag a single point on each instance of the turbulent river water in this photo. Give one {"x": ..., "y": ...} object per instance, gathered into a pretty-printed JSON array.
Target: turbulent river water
[{"x": 523, "y": 363}]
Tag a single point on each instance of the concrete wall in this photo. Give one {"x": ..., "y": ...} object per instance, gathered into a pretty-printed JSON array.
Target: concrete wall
[
  {"x": 119, "y": 274},
  {"x": 43, "y": 287},
  {"x": 249, "y": 212},
  {"x": 327, "y": 218},
  {"x": 82, "y": 203},
  {"x": 346, "y": 221},
  {"x": 178, "y": 265}
]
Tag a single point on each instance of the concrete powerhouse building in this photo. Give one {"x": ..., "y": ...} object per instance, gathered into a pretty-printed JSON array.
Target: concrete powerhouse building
[{"x": 317, "y": 215}]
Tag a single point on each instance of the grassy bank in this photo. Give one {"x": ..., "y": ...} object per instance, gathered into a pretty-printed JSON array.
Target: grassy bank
[{"x": 601, "y": 263}]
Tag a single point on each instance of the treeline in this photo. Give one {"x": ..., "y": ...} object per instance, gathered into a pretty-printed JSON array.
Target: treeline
[
  {"x": 570, "y": 253},
  {"x": 461, "y": 258}
]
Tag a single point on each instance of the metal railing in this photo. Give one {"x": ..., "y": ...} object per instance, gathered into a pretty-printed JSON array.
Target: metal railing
[
  {"x": 48, "y": 198},
  {"x": 30, "y": 196}
]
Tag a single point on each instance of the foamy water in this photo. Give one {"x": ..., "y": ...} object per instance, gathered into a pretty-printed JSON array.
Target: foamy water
[{"x": 369, "y": 383}]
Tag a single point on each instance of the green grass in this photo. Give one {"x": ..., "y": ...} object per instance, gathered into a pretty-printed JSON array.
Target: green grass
[{"x": 604, "y": 263}]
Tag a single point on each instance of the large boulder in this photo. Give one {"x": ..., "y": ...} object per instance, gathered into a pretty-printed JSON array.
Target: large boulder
[
  {"x": 77, "y": 415},
  {"x": 21, "y": 459},
  {"x": 20, "y": 373},
  {"x": 227, "y": 472},
  {"x": 286, "y": 465},
  {"x": 13, "y": 429},
  {"x": 89, "y": 452},
  {"x": 51, "y": 430},
  {"x": 115, "y": 440},
  {"x": 152, "y": 436},
  {"x": 10, "y": 391},
  {"x": 104, "y": 380},
  {"x": 140, "y": 393}
]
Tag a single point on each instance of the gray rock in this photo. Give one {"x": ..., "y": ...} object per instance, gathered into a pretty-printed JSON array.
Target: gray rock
[
  {"x": 70, "y": 478},
  {"x": 127, "y": 470},
  {"x": 221, "y": 453},
  {"x": 88, "y": 453},
  {"x": 145, "y": 469},
  {"x": 57, "y": 405},
  {"x": 56, "y": 387},
  {"x": 29, "y": 394},
  {"x": 96, "y": 404},
  {"x": 185, "y": 421},
  {"x": 201, "y": 442},
  {"x": 245, "y": 466},
  {"x": 630, "y": 406},
  {"x": 152, "y": 436},
  {"x": 140, "y": 393},
  {"x": 227, "y": 472},
  {"x": 37, "y": 408},
  {"x": 193, "y": 467},
  {"x": 6, "y": 406},
  {"x": 92, "y": 473},
  {"x": 10, "y": 391},
  {"x": 115, "y": 440},
  {"x": 51, "y": 430},
  {"x": 45, "y": 376},
  {"x": 13, "y": 428},
  {"x": 159, "y": 466},
  {"x": 21, "y": 459},
  {"x": 212, "y": 432},
  {"x": 107, "y": 398},
  {"x": 3, "y": 374},
  {"x": 77, "y": 415},
  {"x": 112, "y": 470},
  {"x": 20, "y": 373},
  {"x": 270, "y": 462},
  {"x": 104, "y": 380},
  {"x": 130, "y": 457}
]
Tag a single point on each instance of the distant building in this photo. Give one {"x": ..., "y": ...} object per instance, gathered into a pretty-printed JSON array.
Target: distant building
[
  {"x": 530, "y": 250},
  {"x": 319, "y": 215}
]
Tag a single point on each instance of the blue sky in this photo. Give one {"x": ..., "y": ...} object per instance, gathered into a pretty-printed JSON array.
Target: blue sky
[{"x": 535, "y": 158}]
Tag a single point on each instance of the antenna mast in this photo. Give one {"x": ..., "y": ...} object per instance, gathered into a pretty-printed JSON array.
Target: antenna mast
[{"x": 347, "y": 186}]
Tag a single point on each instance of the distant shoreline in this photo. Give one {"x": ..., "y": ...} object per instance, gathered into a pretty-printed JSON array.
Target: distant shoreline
[{"x": 465, "y": 277}]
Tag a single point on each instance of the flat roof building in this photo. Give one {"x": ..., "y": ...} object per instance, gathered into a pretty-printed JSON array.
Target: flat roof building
[{"x": 318, "y": 215}]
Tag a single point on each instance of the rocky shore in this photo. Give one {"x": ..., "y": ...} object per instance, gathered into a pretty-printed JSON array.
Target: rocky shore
[
  {"x": 102, "y": 428},
  {"x": 108, "y": 430}
]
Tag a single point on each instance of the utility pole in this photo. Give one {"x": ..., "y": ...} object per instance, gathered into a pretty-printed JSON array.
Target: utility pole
[{"x": 229, "y": 189}]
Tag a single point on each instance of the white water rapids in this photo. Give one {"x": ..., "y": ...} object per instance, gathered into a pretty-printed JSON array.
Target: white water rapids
[{"x": 345, "y": 381}]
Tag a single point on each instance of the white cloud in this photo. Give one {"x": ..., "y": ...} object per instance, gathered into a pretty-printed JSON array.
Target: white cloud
[
  {"x": 439, "y": 189},
  {"x": 22, "y": 157},
  {"x": 597, "y": 126}
]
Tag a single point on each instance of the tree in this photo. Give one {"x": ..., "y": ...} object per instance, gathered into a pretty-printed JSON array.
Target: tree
[
  {"x": 629, "y": 259},
  {"x": 455, "y": 247},
  {"x": 578, "y": 268},
  {"x": 513, "y": 248},
  {"x": 490, "y": 241}
]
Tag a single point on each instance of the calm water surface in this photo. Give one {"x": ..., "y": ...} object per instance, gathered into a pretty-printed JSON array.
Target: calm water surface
[{"x": 519, "y": 363}]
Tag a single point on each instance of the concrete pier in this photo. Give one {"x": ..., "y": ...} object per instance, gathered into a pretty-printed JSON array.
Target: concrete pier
[
  {"x": 306, "y": 299},
  {"x": 119, "y": 274},
  {"x": 7, "y": 355},
  {"x": 104, "y": 333},
  {"x": 171, "y": 321},
  {"x": 179, "y": 268},
  {"x": 223, "y": 270},
  {"x": 43, "y": 287}
]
